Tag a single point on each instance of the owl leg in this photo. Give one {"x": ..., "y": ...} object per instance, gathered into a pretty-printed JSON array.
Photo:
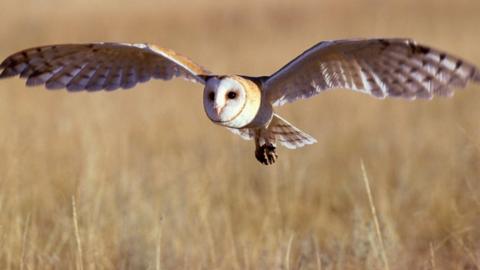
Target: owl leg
[{"x": 265, "y": 147}]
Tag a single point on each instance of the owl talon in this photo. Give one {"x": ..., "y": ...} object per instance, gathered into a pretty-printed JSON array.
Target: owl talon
[{"x": 266, "y": 154}]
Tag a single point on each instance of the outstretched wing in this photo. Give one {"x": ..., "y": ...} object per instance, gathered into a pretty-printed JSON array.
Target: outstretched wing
[
  {"x": 98, "y": 66},
  {"x": 379, "y": 67}
]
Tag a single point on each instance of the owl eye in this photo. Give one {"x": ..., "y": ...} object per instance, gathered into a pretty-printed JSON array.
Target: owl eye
[
  {"x": 211, "y": 96},
  {"x": 231, "y": 95}
]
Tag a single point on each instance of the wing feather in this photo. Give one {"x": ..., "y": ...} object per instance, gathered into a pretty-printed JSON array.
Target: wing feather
[
  {"x": 98, "y": 78},
  {"x": 379, "y": 67},
  {"x": 112, "y": 82},
  {"x": 80, "y": 81},
  {"x": 98, "y": 66}
]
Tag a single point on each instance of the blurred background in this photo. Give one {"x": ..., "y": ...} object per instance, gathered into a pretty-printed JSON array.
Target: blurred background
[{"x": 141, "y": 179}]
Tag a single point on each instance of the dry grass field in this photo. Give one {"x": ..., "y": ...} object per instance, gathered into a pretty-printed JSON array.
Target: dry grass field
[{"x": 140, "y": 179}]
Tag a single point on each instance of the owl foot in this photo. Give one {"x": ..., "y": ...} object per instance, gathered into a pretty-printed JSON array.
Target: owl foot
[{"x": 266, "y": 154}]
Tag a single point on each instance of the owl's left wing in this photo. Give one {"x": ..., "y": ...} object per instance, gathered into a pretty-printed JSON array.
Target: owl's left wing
[
  {"x": 97, "y": 66},
  {"x": 379, "y": 67}
]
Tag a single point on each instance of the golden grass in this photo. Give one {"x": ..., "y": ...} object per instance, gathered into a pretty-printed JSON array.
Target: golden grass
[{"x": 141, "y": 179}]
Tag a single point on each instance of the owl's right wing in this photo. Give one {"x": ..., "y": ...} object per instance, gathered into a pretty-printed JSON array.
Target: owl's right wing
[
  {"x": 98, "y": 66},
  {"x": 379, "y": 67}
]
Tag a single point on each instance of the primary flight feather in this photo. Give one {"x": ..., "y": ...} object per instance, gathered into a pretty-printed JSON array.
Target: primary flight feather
[{"x": 378, "y": 67}]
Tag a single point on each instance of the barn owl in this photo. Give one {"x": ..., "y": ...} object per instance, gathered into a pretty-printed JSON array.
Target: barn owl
[{"x": 244, "y": 104}]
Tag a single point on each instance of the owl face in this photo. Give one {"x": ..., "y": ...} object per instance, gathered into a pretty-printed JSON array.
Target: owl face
[{"x": 228, "y": 101}]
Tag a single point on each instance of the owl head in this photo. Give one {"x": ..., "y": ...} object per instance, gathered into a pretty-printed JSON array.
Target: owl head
[{"x": 231, "y": 101}]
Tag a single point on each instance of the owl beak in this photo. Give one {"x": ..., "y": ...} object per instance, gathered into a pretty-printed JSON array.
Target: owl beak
[
  {"x": 218, "y": 110},
  {"x": 218, "y": 107}
]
